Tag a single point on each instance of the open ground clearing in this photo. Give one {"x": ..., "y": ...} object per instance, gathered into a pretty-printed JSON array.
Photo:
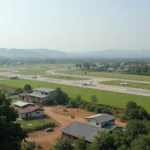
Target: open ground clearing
[
  {"x": 32, "y": 72},
  {"x": 104, "y": 97},
  {"x": 129, "y": 84},
  {"x": 58, "y": 114},
  {"x": 106, "y": 75},
  {"x": 65, "y": 77}
]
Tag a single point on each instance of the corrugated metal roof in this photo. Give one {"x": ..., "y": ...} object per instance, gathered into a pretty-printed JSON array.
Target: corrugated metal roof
[
  {"x": 38, "y": 95},
  {"x": 101, "y": 118},
  {"x": 78, "y": 130},
  {"x": 41, "y": 89},
  {"x": 21, "y": 104}
]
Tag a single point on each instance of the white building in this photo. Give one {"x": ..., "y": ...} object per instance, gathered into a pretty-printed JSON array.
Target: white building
[
  {"x": 28, "y": 110},
  {"x": 100, "y": 120}
]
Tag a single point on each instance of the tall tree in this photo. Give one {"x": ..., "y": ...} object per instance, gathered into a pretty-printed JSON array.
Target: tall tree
[
  {"x": 60, "y": 97},
  {"x": 103, "y": 141},
  {"x": 28, "y": 88},
  {"x": 11, "y": 133},
  {"x": 141, "y": 143},
  {"x": 94, "y": 99},
  {"x": 86, "y": 65}
]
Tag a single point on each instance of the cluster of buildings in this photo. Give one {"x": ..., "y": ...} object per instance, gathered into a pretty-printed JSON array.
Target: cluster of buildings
[
  {"x": 93, "y": 124},
  {"x": 27, "y": 108}
]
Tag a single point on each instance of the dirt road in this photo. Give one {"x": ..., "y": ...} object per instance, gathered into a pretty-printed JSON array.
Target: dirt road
[{"x": 62, "y": 116}]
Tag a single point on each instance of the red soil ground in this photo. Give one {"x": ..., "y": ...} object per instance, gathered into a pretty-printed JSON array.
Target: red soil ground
[{"x": 63, "y": 118}]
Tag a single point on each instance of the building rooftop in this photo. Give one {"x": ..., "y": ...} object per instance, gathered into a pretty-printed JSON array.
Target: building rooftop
[
  {"x": 22, "y": 104},
  {"x": 37, "y": 95},
  {"x": 41, "y": 89},
  {"x": 23, "y": 107},
  {"x": 101, "y": 118},
  {"x": 78, "y": 129}
]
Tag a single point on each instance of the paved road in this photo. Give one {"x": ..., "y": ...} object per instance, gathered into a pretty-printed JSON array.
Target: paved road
[{"x": 78, "y": 83}]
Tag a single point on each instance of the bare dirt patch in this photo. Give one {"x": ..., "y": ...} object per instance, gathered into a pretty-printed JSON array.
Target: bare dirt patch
[{"x": 47, "y": 139}]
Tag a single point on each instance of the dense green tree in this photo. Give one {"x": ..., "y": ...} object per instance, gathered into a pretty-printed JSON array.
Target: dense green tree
[
  {"x": 60, "y": 97},
  {"x": 135, "y": 128},
  {"x": 141, "y": 143},
  {"x": 19, "y": 90},
  {"x": 131, "y": 104},
  {"x": 28, "y": 88},
  {"x": 86, "y": 65},
  {"x": 94, "y": 99},
  {"x": 80, "y": 144},
  {"x": 93, "y": 66},
  {"x": 103, "y": 141},
  {"x": 11, "y": 133},
  {"x": 29, "y": 145},
  {"x": 133, "y": 111},
  {"x": 78, "y": 97},
  {"x": 63, "y": 145}
]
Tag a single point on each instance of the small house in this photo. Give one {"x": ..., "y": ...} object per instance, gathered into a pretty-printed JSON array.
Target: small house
[
  {"x": 39, "y": 96},
  {"x": 27, "y": 110}
]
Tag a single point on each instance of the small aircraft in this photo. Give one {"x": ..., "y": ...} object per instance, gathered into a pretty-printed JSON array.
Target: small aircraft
[{"x": 85, "y": 83}]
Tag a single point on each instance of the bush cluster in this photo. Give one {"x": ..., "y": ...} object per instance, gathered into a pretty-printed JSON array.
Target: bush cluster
[{"x": 39, "y": 127}]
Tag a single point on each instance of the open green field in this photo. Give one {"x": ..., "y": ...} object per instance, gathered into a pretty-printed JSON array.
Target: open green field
[
  {"x": 106, "y": 75},
  {"x": 65, "y": 77},
  {"x": 104, "y": 97},
  {"x": 6, "y": 88},
  {"x": 33, "y": 123},
  {"x": 32, "y": 72},
  {"x": 130, "y": 84}
]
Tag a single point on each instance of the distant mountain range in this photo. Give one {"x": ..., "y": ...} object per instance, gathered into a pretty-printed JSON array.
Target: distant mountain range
[{"x": 46, "y": 53}]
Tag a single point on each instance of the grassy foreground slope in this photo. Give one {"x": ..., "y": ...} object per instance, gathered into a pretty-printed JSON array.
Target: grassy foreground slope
[
  {"x": 106, "y": 75},
  {"x": 130, "y": 84},
  {"x": 104, "y": 97}
]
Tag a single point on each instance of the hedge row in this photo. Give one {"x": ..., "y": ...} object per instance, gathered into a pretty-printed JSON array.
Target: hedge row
[{"x": 39, "y": 127}]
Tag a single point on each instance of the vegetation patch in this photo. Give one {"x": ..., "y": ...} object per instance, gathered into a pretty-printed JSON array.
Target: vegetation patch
[{"x": 36, "y": 124}]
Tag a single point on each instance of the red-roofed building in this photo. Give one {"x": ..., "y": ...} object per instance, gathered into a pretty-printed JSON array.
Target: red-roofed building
[{"x": 28, "y": 110}]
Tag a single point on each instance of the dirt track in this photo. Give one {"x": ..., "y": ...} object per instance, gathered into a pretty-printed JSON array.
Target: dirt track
[{"x": 47, "y": 139}]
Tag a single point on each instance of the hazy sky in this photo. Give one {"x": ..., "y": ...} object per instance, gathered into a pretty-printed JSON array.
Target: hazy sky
[{"x": 75, "y": 25}]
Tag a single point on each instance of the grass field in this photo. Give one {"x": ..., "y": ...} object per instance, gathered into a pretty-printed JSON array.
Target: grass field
[
  {"x": 130, "y": 84},
  {"x": 7, "y": 88},
  {"x": 106, "y": 75},
  {"x": 65, "y": 77},
  {"x": 32, "y": 72},
  {"x": 32, "y": 123},
  {"x": 104, "y": 97}
]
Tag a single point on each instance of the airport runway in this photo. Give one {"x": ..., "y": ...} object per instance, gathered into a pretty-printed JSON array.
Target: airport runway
[{"x": 78, "y": 83}]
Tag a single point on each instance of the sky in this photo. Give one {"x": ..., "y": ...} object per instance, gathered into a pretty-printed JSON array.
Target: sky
[{"x": 75, "y": 25}]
